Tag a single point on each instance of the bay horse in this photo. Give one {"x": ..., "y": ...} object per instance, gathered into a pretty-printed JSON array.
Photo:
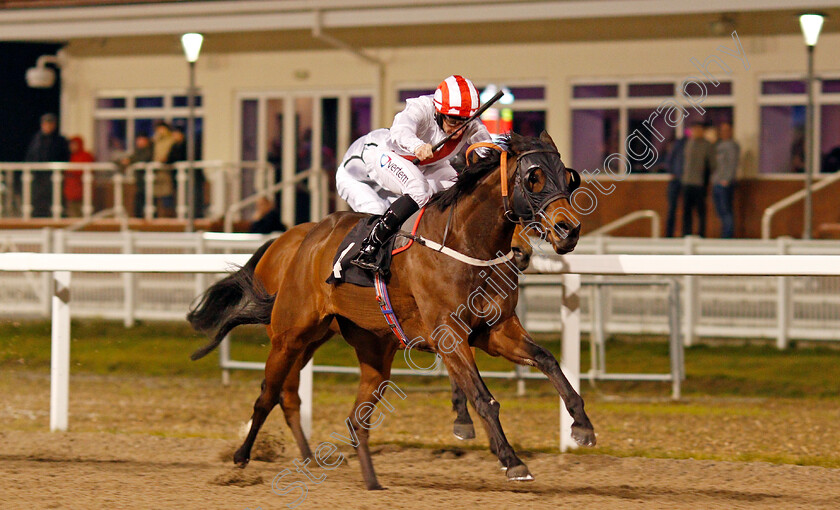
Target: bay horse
[
  {"x": 229, "y": 303},
  {"x": 305, "y": 306}
]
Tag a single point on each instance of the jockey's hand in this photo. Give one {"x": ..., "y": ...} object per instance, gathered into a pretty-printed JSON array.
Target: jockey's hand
[{"x": 424, "y": 152}]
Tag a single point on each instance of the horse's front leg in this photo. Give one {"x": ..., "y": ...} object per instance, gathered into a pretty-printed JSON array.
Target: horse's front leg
[
  {"x": 509, "y": 339},
  {"x": 461, "y": 366}
]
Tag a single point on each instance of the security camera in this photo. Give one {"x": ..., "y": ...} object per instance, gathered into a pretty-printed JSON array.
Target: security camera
[{"x": 40, "y": 77}]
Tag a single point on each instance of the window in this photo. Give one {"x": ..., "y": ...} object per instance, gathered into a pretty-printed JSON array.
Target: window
[
  {"x": 594, "y": 137},
  {"x": 298, "y": 132},
  {"x": 783, "y": 123},
  {"x": 628, "y": 117},
  {"x": 123, "y": 116},
  {"x": 782, "y": 139}
]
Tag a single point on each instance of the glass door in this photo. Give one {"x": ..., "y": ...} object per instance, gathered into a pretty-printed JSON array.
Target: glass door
[{"x": 290, "y": 145}]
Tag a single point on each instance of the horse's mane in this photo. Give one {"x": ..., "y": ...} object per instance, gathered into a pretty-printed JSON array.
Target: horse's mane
[{"x": 469, "y": 178}]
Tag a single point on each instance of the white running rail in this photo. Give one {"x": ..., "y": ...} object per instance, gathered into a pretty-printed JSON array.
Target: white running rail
[{"x": 62, "y": 265}]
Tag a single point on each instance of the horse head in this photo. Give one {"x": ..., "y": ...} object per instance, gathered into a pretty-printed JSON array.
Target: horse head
[{"x": 541, "y": 187}]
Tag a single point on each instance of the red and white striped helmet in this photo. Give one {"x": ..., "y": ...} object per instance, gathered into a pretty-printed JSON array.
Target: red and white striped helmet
[{"x": 456, "y": 95}]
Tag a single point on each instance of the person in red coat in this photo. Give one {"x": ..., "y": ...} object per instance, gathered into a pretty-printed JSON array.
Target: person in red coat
[{"x": 73, "y": 189}]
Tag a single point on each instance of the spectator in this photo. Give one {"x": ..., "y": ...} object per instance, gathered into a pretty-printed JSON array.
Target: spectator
[
  {"x": 163, "y": 189},
  {"x": 831, "y": 161},
  {"x": 674, "y": 162},
  {"x": 142, "y": 154},
  {"x": 698, "y": 162},
  {"x": 73, "y": 189},
  {"x": 179, "y": 153},
  {"x": 178, "y": 150},
  {"x": 727, "y": 152},
  {"x": 267, "y": 218},
  {"x": 46, "y": 146}
]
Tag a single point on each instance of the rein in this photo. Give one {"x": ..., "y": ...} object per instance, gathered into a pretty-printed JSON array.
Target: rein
[{"x": 428, "y": 243}]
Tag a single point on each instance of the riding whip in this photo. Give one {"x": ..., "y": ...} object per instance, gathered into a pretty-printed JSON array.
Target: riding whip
[{"x": 472, "y": 117}]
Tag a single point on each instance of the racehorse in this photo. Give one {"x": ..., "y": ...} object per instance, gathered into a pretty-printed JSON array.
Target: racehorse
[
  {"x": 305, "y": 306},
  {"x": 216, "y": 313}
]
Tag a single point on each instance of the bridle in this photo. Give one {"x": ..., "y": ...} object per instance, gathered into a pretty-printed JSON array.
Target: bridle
[{"x": 524, "y": 205}]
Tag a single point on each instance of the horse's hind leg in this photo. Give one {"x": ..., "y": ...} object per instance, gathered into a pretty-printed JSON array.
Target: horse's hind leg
[
  {"x": 510, "y": 340},
  {"x": 290, "y": 400},
  {"x": 463, "y": 427},
  {"x": 277, "y": 366},
  {"x": 286, "y": 348},
  {"x": 375, "y": 358}
]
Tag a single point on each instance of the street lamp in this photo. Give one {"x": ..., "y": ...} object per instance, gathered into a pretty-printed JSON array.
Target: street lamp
[
  {"x": 192, "y": 47},
  {"x": 811, "y": 25}
]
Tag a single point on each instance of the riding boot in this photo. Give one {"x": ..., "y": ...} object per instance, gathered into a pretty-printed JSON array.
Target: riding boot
[{"x": 384, "y": 228}]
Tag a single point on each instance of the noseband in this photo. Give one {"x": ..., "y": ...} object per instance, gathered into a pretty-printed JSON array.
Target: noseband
[{"x": 526, "y": 205}]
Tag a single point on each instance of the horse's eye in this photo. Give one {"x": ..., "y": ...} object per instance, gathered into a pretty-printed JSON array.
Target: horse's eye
[{"x": 535, "y": 180}]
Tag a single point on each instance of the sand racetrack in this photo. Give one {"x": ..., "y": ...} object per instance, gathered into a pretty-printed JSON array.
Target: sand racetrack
[
  {"x": 87, "y": 470},
  {"x": 151, "y": 442}
]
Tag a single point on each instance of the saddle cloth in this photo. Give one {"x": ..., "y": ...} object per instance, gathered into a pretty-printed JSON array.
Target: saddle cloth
[{"x": 345, "y": 272}]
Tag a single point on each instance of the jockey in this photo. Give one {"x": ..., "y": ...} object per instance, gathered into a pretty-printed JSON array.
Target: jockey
[{"x": 385, "y": 158}]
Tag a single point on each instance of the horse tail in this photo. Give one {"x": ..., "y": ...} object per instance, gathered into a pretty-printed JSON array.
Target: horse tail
[
  {"x": 219, "y": 302},
  {"x": 256, "y": 308}
]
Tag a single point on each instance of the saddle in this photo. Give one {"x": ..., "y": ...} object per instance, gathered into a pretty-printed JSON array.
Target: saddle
[{"x": 345, "y": 272}]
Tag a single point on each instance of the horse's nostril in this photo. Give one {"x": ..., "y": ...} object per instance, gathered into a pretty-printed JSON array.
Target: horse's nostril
[{"x": 561, "y": 228}]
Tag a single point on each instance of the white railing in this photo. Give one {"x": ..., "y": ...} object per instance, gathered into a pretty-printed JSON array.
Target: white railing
[
  {"x": 234, "y": 210},
  {"x": 627, "y": 219},
  {"x": 767, "y": 217},
  {"x": 226, "y": 197},
  {"x": 731, "y": 307},
  {"x": 62, "y": 265},
  {"x": 27, "y": 171}
]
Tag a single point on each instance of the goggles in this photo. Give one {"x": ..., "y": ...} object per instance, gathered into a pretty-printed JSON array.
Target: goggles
[{"x": 453, "y": 120}]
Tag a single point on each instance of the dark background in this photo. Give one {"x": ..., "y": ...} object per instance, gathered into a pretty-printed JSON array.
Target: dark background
[{"x": 21, "y": 106}]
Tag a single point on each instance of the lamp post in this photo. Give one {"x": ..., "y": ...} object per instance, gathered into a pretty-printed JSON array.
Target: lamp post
[
  {"x": 192, "y": 47},
  {"x": 811, "y": 25}
]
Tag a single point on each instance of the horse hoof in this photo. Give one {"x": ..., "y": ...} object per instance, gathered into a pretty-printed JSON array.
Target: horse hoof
[
  {"x": 501, "y": 466},
  {"x": 519, "y": 473},
  {"x": 240, "y": 459},
  {"x": 464, "y": 431},
  {"x": 376, "y": 487},
  {"x": 583, "y": 436}
]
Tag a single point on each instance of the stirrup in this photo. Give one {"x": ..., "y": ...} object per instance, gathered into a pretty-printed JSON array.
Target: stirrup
[{"x": 368, "y": 266}]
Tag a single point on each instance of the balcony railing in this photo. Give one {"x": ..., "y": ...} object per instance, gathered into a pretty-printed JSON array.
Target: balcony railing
[{"x": 110, "y": 190}]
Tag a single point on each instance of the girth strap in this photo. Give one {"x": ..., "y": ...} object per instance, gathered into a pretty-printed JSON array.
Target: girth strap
[{"x": 387, "y": 310}]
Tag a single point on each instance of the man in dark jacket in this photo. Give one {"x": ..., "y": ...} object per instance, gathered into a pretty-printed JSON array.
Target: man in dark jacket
[
  {"x": 46, "y": 146},
  {"x": 674, "y": 162},
  {"x": 698, "y": 162},
  {"x": 143, "y": 153}
]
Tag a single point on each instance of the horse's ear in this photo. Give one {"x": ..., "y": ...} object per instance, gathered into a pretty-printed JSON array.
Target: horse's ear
[
  {"x": 547, "y": 139},
  {"x": 515, "y": 140},
  {"x": 574, "y": 179}
]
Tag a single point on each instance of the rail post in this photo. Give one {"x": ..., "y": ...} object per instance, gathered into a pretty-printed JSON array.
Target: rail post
[
  {"x": 60, "y": 355},
  {"x": 783, "y": 298},
  {"x": 677, "y": 352},
  {"x": 129, "y": 283},
  {"x": 570, "y": 362},
  {"x": 305, "y": 393},
  {"x": 691, "y": 297}
]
